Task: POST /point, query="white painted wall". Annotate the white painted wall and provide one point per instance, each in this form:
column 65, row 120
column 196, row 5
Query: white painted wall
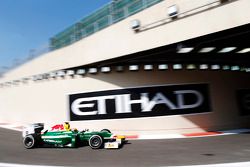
column 47, row 101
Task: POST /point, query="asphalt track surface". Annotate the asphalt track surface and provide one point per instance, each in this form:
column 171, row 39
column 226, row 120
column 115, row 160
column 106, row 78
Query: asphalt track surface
column 171, row 152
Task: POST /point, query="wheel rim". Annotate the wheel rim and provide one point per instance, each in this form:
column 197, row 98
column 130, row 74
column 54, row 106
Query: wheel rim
column 96, row 142
column 28, row 142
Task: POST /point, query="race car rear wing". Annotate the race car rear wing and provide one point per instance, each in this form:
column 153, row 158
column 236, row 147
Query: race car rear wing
column 35, row 128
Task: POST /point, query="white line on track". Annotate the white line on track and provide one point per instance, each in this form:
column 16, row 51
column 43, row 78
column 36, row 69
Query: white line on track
column 12, row 127
column 238, row 164
column 22, row 165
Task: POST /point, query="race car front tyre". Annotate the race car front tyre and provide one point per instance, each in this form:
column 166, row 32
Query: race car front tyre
column 106, row 130
column 29, row 141
column 95, row 142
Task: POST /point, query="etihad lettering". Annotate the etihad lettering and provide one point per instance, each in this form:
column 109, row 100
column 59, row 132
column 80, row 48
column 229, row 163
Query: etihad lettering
column 137, row 102
column 123, row 102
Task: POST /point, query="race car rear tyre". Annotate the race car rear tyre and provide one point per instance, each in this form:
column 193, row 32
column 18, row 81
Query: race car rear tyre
column 95, row 142
column 29, row 141
column 106, row 130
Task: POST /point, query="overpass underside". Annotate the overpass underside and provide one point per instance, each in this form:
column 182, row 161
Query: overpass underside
column 229, row 47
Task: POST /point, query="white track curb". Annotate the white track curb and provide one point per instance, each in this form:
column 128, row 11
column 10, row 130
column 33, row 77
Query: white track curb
column 19, row 127
column 16, row 127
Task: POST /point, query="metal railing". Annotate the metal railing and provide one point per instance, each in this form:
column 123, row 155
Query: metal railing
column 109, row 14
column 184, row 14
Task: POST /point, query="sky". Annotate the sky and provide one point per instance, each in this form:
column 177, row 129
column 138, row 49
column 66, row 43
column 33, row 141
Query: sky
column 27, row 25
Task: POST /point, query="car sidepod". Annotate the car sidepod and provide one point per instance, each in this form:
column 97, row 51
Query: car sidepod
column 60, row 138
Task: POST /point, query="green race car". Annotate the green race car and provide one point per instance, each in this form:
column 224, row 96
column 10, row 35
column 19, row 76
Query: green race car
column 34, row 137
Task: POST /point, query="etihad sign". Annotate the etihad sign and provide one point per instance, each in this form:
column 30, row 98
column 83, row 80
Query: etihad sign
column 140, row 102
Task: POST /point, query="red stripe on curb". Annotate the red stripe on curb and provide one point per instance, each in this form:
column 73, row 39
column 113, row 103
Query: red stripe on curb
column 202, row 134
column 132, row 137
column 19, row 127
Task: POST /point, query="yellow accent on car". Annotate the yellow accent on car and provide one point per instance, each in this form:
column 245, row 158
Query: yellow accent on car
column 120, row 137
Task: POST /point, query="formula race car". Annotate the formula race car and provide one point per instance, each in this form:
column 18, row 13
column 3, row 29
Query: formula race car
column 34, row 136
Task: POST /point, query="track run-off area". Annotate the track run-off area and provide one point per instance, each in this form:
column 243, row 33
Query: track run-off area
column 221, row 151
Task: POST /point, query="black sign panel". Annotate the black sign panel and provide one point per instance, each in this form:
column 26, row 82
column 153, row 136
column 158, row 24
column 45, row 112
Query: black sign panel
column 140, row 102
column 243, row 98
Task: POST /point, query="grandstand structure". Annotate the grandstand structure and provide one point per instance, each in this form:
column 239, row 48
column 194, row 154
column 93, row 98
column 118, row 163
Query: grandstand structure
column 141, row 66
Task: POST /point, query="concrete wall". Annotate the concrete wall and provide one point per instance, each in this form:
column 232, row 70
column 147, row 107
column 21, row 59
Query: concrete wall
column 118, row 39
column 47, row 101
